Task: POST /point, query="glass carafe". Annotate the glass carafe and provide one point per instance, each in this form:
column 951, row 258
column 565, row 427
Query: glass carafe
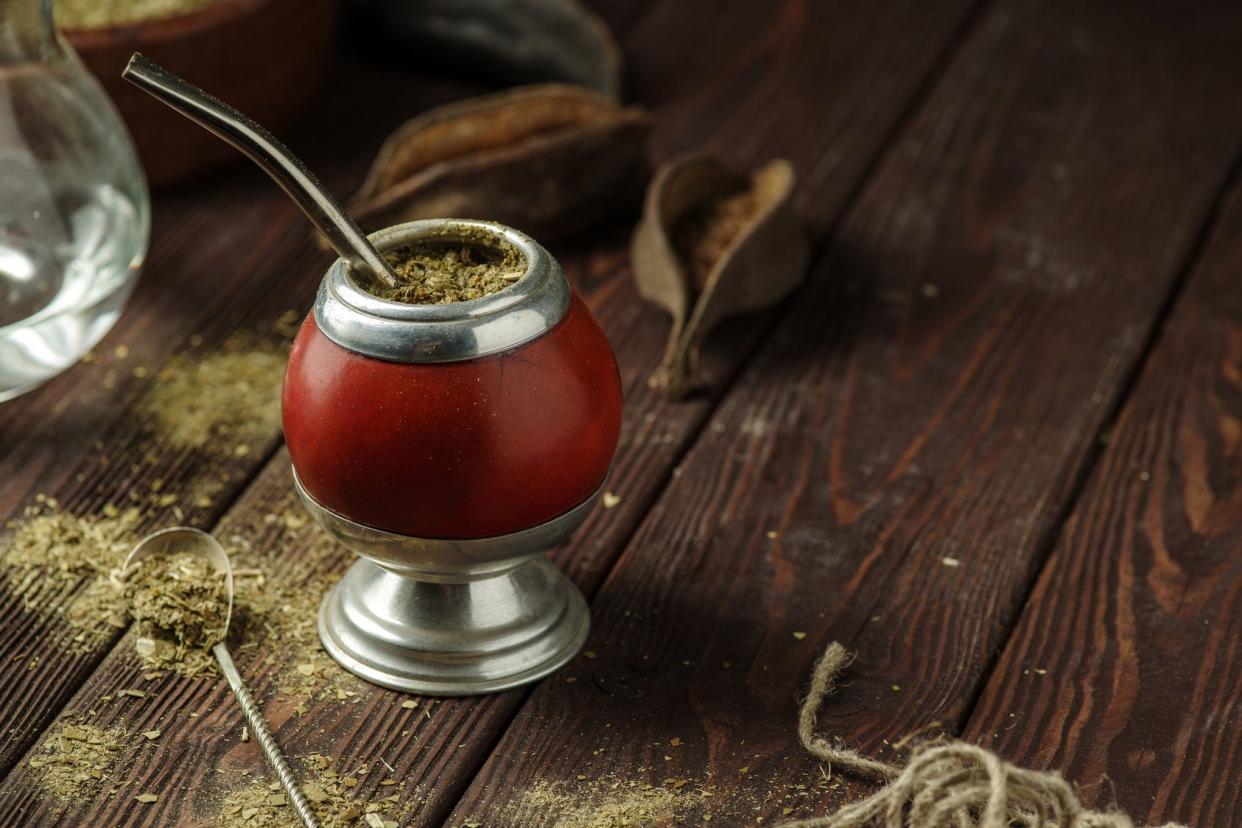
column 74, row 208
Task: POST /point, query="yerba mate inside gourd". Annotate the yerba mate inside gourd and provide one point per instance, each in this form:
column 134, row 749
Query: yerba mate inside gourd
column 441, row 271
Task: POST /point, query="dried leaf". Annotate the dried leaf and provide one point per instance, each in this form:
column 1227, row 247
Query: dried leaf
column 714, row 244
column 513, row 41
column 548, row 160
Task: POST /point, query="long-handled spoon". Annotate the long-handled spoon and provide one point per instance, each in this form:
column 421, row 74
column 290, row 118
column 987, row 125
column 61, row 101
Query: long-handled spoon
column 274, row 157
column 195, row 542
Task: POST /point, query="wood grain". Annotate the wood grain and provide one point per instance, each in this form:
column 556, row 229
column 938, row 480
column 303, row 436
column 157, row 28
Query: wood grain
column 888, row 470
column 1125, row 670
column 655, row 434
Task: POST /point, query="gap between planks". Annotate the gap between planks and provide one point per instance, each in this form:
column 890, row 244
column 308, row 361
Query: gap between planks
column 1194, row 257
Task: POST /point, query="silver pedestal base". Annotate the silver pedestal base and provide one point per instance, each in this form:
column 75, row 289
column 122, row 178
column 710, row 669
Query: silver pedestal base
column 452, row 617
column 453, row 639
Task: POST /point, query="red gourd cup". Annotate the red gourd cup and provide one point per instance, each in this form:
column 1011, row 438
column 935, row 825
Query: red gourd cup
column 450, row 446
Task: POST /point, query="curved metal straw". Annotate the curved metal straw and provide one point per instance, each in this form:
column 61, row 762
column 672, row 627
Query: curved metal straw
column 196, row 542
column 274, row 157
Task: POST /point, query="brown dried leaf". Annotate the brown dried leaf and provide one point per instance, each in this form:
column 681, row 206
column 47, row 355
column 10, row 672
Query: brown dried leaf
column 714, row 244
column 546, row 159
column 513, row 41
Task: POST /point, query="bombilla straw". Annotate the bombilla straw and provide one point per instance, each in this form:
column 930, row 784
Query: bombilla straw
column 264, row 735
column 274, row 157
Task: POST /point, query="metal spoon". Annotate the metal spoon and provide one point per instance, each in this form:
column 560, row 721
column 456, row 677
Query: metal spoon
column 184, row 539
column 274, row 157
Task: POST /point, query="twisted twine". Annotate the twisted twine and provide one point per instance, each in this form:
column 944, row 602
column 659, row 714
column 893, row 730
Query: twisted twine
column 943, row 785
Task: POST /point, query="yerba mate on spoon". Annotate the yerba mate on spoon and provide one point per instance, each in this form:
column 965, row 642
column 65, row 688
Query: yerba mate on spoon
column 171, row 588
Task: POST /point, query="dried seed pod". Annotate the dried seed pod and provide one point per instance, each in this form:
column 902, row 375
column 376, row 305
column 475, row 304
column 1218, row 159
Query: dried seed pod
column 547, row 159
column 512, row 41
column 713, row 244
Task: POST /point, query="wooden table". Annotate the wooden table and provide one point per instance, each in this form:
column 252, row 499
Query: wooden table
column 993, row 445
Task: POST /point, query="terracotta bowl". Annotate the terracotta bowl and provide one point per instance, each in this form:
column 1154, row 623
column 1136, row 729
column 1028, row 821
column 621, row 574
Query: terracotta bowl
column 268, row 58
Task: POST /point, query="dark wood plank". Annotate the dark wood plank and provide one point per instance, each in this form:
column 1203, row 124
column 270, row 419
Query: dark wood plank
column 1125, row 669
column 859, row 105
column 889, row 468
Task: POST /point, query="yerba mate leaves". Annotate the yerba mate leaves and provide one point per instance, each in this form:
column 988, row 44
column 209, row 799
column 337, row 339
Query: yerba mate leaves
column 548, row 160
column 180, row 607
column 712, row 244
column 430, row 273
column 511, row 41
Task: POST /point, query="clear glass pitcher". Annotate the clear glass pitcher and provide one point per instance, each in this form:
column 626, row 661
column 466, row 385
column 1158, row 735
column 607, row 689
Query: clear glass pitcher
column 74, row 207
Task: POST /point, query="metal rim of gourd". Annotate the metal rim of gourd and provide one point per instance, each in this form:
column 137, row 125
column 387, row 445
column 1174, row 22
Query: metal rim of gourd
column 400, row 332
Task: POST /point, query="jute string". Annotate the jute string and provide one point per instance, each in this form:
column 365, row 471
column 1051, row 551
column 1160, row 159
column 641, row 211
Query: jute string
column 943, row 784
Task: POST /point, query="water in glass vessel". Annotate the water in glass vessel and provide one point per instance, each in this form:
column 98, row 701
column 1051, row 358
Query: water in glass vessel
column 74, row 210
